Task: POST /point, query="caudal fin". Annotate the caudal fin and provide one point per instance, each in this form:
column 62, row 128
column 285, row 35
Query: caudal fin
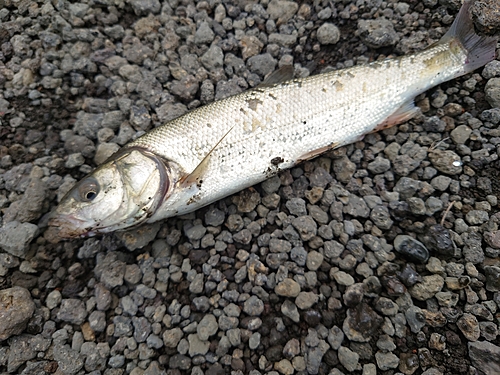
column 480, row 49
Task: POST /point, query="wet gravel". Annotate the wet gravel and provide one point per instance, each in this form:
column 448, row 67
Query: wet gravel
column 381, row 257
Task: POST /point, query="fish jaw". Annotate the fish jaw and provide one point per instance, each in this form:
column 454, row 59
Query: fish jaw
column 68, row 226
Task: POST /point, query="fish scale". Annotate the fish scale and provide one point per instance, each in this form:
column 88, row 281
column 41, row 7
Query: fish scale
column 226, row 146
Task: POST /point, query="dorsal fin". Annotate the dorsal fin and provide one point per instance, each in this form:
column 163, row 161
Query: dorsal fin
column 285, row 73
column 195, row 177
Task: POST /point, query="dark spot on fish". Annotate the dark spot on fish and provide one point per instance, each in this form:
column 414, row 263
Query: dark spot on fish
column 304, row 122
column 272, row 96
column 253, row 103
column 271, row 171
column 277, row 160
column 338, row 86
column 193, row 199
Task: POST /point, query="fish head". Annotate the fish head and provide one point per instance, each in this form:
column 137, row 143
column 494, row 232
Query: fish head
column 123, row 192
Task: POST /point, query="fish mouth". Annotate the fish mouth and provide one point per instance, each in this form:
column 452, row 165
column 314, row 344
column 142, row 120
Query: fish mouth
column 68, row 226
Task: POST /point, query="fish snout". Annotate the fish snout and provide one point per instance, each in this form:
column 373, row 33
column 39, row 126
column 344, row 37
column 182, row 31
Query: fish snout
column 67, row 226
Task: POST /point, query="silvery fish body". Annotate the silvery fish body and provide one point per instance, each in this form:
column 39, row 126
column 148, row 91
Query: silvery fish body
column 234, row 143
column 268, row 129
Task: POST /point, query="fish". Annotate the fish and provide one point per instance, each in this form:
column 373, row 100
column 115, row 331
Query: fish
column 234, row 143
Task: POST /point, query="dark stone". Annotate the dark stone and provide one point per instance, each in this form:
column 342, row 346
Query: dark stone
column 492, row 278
column 373, row 287
column 198, row 256
column 451, row 314
column 452, row 338
column 393, row 286
column 312, row 317
column 215, row 369
column 274, row 353
column 364, row 349
column 361, row 323
column 331, row 359
column 328, row 318
column 485, row 356
column 320, row 178
column 434, row 124
column 71, row 288
column 438, row 239
column 237, row 364
column 354, row 294
column 23, row 280
column 411, row 248
column 409, row 276
column 408, row 363
column 180, row 361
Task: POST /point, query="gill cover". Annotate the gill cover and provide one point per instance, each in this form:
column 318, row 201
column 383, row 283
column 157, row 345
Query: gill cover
column 123, row 192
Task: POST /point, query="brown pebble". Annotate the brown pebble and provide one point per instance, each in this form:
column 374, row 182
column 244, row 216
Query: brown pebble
column 88, row 333
column 469, row 326
column 237, row 364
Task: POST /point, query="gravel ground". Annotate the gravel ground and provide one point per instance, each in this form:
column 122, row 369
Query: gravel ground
column 381, row 257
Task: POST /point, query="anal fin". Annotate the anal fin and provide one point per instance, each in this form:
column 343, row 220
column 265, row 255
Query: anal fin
column 317, row 152
column 402, row 114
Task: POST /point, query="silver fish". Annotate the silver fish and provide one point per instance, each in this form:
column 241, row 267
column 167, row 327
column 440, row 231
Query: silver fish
column 234, row 143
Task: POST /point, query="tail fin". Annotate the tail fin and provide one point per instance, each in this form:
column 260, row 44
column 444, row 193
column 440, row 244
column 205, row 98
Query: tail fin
column 480, row 49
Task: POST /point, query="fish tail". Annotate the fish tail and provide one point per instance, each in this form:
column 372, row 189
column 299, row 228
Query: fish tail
column 480, row 49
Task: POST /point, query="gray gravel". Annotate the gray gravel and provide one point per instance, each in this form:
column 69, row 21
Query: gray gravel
column 16, row 309
column 380, row 257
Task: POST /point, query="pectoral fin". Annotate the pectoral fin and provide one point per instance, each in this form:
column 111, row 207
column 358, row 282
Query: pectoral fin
column 196, row 176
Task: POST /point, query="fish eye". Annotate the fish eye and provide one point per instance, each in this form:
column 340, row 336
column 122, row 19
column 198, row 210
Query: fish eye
column 88, row 190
